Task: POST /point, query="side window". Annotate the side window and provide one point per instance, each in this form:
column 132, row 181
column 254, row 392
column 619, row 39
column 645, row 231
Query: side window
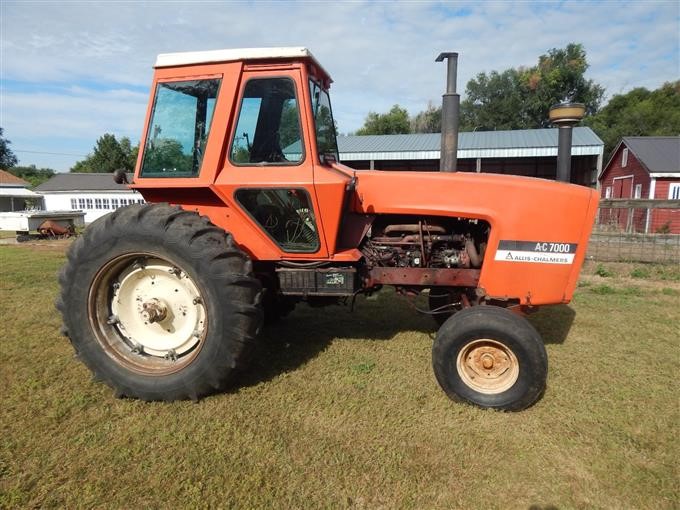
column 285, row 214
column 179, row 128
column 268, row 128
column 326, row 139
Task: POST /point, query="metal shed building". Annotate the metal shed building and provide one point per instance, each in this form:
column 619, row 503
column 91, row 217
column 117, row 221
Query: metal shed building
column 530, row 152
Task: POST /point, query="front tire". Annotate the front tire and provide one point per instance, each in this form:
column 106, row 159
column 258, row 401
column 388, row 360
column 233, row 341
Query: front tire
column 490, row 357
column 159, row 303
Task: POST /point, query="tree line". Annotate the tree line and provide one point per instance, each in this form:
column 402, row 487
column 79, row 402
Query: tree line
column 108, row 154
column 520, row 98
column 515, row 98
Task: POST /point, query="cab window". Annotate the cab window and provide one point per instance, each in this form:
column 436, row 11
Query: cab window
column 179, row 128
column 268, row 128
column 326, row 141
column 286, row 215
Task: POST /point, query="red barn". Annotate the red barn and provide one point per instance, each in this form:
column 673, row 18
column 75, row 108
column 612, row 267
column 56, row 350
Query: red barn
column 643, row 167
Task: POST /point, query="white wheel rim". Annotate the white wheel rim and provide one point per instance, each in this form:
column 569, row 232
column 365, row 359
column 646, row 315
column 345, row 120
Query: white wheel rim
column 147, row 313
column 157, row 281
column 487, row 366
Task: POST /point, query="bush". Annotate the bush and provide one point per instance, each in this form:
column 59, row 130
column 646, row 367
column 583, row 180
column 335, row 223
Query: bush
column 602, row 271
column 640, row 272
column 603, row 290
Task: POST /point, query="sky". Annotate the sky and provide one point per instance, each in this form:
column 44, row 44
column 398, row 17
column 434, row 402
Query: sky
column 72, row 71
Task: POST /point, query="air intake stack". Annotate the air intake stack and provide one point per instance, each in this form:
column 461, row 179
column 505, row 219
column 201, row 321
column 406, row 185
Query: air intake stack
column 565, row 116
column 450, row 113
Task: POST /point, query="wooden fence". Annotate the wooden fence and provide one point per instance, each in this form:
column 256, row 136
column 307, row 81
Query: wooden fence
column 640, row 215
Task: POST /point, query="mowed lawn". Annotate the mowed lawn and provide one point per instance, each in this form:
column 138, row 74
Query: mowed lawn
column 341, row 410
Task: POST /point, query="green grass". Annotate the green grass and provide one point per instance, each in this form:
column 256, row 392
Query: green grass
column 342, row 410
column 603, row 271
column 640, row 272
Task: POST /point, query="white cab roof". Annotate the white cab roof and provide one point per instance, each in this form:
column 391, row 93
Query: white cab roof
column 229, row 55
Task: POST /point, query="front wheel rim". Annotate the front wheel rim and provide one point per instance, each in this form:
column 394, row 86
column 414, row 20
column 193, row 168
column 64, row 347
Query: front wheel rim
column 147, row 313
column 487, row 366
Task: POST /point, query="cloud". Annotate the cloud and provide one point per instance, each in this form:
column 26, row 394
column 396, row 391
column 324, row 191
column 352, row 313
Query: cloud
column 87, row 55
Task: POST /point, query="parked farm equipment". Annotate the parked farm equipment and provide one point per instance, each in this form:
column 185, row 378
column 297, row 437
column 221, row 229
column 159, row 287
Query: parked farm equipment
column 164, row 302
column 35, row 225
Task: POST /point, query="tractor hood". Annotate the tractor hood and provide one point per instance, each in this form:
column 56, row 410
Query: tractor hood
column 539, row 228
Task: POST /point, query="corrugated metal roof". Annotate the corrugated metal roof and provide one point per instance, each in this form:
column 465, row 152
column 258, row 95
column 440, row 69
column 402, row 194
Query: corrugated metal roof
column 82, row 182
column 660, row 154
column 480, row 144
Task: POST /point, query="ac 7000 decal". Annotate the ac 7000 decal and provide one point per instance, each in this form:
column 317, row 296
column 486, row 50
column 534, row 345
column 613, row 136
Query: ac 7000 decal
column 538, row 252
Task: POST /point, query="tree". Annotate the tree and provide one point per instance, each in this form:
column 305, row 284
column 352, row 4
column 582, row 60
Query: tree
column 521, row 98
column 7, row 157
column 289, row 129
column 109, row 155
column 639, row 112
column 32, row 174
column 560, row 77
column 428, row 121
column 495, row 101
column 165, row 154
column 394, row 122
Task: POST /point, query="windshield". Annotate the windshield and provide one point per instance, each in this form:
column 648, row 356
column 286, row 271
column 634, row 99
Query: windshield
column 179, row 128
column 326, row 141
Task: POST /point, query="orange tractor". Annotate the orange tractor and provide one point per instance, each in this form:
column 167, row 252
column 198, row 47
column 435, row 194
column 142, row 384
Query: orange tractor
column 164, row 302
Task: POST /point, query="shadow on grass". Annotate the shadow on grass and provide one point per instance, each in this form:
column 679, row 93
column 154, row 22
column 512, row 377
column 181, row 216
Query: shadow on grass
column 307, row 332
column 553, row 323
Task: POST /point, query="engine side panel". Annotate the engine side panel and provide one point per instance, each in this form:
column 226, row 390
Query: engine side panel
column 545, row 224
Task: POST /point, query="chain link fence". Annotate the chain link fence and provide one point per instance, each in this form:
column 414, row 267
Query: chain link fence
column 636, row 230
column 607, row 246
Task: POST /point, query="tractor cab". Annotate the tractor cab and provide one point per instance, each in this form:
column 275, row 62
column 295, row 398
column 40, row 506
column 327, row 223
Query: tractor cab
column 271, row 98
column 247, row 128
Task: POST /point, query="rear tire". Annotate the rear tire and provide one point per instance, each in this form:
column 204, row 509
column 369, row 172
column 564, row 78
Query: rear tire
column 490, row 357
column 159, row 303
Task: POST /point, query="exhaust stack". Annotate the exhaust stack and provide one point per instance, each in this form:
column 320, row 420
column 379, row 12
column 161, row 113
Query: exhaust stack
column 450, row 113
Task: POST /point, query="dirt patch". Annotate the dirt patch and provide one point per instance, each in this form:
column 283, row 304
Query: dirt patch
column 55, row 245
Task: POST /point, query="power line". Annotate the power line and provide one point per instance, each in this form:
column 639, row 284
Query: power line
column 52, row 153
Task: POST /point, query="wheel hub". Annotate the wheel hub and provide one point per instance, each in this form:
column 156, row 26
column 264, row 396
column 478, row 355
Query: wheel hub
column 158, row 309
column 487, row 361
column 154, row 310
column 487, row 366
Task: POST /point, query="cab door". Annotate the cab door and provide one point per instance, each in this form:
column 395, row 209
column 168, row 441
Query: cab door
column 267, row 178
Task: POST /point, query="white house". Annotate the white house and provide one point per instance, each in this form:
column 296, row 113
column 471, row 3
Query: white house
column 15, row 195
column 94, row 193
